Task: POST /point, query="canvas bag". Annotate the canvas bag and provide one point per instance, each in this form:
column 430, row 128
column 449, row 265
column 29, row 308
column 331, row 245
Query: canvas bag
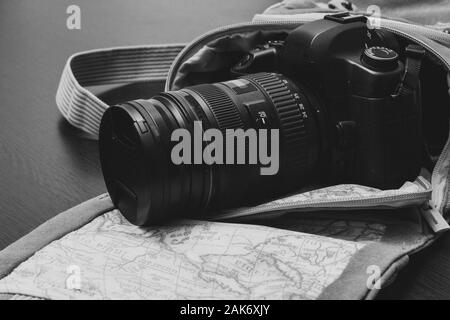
column 415, row 215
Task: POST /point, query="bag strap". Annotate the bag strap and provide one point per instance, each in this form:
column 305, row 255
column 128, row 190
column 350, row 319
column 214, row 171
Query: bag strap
column 82, row 108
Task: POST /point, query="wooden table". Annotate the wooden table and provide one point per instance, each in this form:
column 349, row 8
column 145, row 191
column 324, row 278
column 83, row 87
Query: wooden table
column 45, row 167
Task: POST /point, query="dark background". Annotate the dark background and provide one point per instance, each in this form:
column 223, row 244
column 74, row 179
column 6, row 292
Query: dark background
column 46, row 167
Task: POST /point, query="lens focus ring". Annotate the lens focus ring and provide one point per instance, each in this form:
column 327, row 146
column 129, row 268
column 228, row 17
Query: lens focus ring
column 292, row 119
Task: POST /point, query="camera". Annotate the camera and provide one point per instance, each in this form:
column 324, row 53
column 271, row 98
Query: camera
column 344, row 99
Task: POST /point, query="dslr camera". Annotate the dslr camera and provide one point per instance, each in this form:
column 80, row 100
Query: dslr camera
column 345, row 99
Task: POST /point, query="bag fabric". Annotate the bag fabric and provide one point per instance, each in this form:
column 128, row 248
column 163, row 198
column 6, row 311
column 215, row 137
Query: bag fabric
column 311, row 248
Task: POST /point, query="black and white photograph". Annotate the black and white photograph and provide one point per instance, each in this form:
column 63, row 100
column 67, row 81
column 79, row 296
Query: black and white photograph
column 224, row 156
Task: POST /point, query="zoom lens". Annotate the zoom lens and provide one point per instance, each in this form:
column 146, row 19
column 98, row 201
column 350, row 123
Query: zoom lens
column 136, row 146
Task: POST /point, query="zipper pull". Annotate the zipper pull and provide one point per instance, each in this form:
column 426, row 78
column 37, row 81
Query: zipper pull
column 434, row 218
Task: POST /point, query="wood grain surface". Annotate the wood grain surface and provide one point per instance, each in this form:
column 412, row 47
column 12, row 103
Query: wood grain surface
column 47, row 167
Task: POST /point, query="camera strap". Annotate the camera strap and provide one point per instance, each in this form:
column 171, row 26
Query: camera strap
column 414, row 55
column 122, row 65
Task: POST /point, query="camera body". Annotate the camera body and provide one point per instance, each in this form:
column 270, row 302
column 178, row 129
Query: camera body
column 368, row 117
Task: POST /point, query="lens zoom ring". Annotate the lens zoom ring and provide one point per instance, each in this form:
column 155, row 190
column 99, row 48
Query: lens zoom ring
column 292, row 122
column 224, row 109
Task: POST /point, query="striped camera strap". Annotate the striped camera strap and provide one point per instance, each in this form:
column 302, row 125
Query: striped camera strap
column 122, row 65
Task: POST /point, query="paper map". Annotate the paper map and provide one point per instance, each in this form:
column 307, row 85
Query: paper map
column 111, row 259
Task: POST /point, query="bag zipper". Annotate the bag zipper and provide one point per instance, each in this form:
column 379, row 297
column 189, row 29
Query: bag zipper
column 376, row 201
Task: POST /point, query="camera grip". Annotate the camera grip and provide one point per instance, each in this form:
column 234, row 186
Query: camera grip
column 388, row 140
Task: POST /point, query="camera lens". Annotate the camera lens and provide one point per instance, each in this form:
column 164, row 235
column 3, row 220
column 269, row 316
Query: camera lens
column 135, row 141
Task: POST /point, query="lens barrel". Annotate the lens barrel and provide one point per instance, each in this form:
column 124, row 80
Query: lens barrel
column 135, row 147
